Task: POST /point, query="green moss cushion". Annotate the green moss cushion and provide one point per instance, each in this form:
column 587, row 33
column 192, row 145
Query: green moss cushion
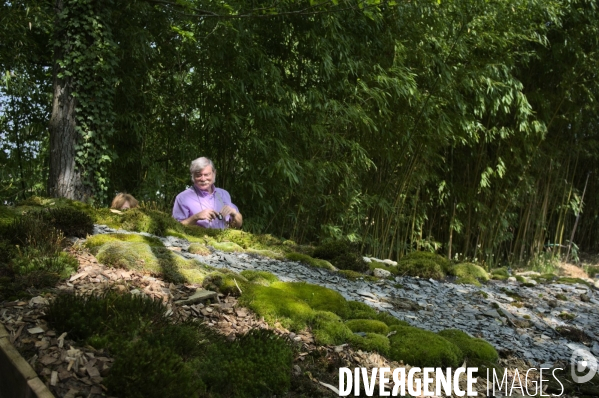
column 422, row 348
column 471, row 347
column 424, row 265
column 371, row 342
column 329, row 329
column 367, row 326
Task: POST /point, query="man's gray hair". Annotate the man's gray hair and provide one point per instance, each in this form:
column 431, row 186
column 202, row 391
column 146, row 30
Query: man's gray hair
column 199, row 164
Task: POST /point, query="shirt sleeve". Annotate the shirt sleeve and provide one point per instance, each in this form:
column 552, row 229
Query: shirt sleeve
column 227, row 200
column 180, row 212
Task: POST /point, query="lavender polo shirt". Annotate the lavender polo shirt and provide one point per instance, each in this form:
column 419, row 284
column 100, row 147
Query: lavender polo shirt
column 194, row 200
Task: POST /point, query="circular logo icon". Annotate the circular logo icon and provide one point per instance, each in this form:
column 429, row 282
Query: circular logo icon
column 583, row 361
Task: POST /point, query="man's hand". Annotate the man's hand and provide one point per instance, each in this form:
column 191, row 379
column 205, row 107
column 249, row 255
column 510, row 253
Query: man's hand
column 235, row 219
column 206, row 214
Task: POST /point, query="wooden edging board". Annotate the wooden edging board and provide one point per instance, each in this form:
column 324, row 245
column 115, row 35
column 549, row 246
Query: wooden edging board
column 17, row 377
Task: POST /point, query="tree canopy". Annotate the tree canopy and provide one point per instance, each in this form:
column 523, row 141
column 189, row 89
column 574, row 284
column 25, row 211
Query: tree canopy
column 463, row 126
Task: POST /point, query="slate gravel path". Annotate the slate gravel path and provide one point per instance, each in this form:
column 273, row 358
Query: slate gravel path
column 526, row 331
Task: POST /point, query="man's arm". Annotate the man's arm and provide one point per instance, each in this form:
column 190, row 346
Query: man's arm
column 203, row 215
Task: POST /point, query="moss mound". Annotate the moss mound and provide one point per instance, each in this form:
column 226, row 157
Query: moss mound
column 293, row 304
column 260, row 277
column 470, row 273
column 424, row 265
column 371, row 342
column 367, row 326
column 500, row 273
column 256, row 365
column 94, row 242
column 199, row 248
column 375, row 264
column 474, row 349
column 359, row 310
column 342, row 255
column 225, row 281
column 313, row 262
column 153, row 259
column 422, row 348
column 329, row 329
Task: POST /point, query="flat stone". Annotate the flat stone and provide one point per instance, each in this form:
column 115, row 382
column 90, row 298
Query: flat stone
column 366, row 294
column 381, row 273
column 198, row 296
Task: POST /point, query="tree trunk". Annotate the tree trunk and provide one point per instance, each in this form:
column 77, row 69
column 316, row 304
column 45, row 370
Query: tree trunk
column 64, row 179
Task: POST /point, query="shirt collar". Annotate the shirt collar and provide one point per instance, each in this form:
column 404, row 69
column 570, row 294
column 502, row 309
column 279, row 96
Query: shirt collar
column 202, row 193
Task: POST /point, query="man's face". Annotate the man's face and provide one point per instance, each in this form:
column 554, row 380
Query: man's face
column 204, row 178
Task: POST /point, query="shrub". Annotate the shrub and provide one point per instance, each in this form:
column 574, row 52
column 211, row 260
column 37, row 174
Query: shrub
column 367, row 326
column 256, row 365
column 422, row 348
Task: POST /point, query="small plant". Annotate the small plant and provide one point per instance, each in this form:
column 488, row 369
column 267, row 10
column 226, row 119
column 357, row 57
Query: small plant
column 566, row 316
column 561, row 297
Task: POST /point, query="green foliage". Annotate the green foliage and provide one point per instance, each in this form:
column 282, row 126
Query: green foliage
column 225, row 281
column 375, row 264
column 142, row 369
column 367, row 326
column 329, row 329
column 259, row 363
column 259, row 277
column 359, row 310
column 111, row 314
column 473, row 348
column 500, row 273
column 422, row 348
column 32, row 255
column 424, row 265
column 136, row 254
column 94, row 242
column 371, row 342
column 313, row 262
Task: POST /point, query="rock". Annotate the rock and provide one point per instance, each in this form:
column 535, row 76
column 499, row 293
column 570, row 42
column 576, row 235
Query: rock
column 199, row 295
column 390, row 262
column 366, row 294
column 381, row 273
column 552, row 303
column 585, row 298
column 366, row 259
column 512, row 279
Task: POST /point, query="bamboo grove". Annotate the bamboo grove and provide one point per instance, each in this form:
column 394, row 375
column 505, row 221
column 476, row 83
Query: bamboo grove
column 469, row 127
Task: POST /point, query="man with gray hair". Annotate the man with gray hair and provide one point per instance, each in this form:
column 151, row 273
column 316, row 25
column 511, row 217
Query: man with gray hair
column 203, row 204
